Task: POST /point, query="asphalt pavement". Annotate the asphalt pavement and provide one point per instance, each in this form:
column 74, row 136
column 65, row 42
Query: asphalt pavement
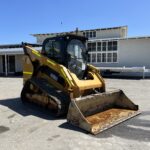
column 27, row 127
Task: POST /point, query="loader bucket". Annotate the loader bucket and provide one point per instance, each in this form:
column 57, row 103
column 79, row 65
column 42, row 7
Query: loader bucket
column 98, row 112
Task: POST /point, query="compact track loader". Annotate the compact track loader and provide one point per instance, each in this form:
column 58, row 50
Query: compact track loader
column 59, row 78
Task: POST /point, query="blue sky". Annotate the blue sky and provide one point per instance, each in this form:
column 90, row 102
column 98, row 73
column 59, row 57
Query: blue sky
column 20, row 18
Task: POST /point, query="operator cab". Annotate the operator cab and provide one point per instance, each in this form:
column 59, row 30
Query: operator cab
column 68, row 50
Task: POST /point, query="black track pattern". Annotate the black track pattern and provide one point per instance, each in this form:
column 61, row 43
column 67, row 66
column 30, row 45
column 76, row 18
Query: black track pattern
column 61, row 98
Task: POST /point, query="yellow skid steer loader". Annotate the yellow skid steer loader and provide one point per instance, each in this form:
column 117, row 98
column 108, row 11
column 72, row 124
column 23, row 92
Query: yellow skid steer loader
column 59, row 78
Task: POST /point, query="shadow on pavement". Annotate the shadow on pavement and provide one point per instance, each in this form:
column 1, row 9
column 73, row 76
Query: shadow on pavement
column 130, row 129
column 136, row 128
column 69, row 126
column 28, row 109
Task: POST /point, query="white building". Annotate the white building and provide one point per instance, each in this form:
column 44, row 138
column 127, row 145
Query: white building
column 11, row 59
column 111, row 50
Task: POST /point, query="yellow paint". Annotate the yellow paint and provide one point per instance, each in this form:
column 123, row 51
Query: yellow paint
column 27, row 73
column 69, row 81
column 51, row 62
column 63, row 73
column 36, row 53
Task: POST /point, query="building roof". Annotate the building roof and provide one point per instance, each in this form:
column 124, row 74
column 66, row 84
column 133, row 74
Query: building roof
column 15, row 51
column 15, row 48
column 110, row 28
column 16, row 45
column 126, row 38
column 136, row 37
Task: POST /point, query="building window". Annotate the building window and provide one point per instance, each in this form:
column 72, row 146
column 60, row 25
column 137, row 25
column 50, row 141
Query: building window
column 110, row 46
column 94, row 33
column 109, row 57
column 98, row 46
column 93, row 57
column 103, row 52
column 99, row 59
column 103, row 57
column 115, row 45
column 114, row 57
column 89, row 34
column 92, row 46
column 89, row 45
column 103, row 46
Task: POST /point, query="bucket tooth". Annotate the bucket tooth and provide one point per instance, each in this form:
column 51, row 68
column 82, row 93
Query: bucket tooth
column 98, row 112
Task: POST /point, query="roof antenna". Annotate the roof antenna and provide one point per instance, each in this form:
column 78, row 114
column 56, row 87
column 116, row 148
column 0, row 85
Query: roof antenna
column 61, row 26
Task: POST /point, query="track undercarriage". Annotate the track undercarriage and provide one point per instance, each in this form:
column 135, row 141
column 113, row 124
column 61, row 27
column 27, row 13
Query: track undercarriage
column 41, row 93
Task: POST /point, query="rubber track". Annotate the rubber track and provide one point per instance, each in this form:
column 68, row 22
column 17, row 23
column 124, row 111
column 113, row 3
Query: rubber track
column 61, row 98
